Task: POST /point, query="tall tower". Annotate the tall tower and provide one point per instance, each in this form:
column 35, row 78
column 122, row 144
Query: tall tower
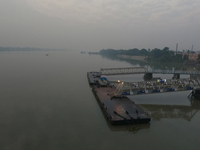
column 176, row 48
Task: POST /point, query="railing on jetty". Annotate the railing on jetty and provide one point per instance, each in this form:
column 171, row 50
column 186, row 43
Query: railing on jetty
column 143, row 70
column 154, row 86
column 123, row 71
column 174, row 72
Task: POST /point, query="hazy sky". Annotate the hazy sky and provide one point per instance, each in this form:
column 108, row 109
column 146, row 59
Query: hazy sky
column 91, row 25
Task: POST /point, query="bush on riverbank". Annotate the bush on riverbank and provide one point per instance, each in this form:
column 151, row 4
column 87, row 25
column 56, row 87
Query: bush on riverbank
column 164, row 55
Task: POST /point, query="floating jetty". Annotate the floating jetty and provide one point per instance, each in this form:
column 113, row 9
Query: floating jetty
column 112, row 95
column 118, row 110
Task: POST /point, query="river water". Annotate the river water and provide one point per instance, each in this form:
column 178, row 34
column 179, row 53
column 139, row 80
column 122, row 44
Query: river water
column 46, row 103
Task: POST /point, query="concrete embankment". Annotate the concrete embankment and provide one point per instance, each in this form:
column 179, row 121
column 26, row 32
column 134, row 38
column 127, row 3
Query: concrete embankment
column 140, row 58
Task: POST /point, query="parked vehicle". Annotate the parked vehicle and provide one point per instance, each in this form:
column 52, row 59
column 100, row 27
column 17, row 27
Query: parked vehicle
column 161, row 80
column 169, row 90
column 188, row 88
column 139, row 92
column 154, row 91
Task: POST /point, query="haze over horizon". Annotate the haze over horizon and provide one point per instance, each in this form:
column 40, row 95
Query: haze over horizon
column 89, row 25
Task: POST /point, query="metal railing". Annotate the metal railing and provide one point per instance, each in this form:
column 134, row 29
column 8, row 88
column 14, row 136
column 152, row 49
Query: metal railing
column 121, row 71
column 143, row 70
column 174, row 72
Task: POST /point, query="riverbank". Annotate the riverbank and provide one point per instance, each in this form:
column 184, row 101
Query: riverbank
column 140, row 58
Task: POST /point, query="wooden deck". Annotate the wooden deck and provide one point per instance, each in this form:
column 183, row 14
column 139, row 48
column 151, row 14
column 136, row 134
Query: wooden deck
column 119, row 110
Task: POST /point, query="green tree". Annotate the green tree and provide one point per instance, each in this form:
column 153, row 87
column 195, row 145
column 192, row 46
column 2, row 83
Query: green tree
column 143, row 52
column 166, row 49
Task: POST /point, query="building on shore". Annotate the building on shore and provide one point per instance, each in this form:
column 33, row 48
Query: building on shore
column 191, row 56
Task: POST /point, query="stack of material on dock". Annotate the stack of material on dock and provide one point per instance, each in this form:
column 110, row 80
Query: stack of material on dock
column 93, row 77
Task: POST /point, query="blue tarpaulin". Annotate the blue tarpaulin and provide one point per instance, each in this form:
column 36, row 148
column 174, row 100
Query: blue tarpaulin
column 103, row 78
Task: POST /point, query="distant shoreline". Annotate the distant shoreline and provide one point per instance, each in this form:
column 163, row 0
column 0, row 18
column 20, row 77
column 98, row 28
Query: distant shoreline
column 14, row 49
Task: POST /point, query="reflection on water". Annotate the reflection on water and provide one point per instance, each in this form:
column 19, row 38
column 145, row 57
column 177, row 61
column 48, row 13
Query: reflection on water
column 159, row 112
column 131, row 61
column 171, row 111
column 128, row 128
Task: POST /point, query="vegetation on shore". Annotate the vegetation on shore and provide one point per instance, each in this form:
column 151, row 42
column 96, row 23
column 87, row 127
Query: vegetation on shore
column 160, row 55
